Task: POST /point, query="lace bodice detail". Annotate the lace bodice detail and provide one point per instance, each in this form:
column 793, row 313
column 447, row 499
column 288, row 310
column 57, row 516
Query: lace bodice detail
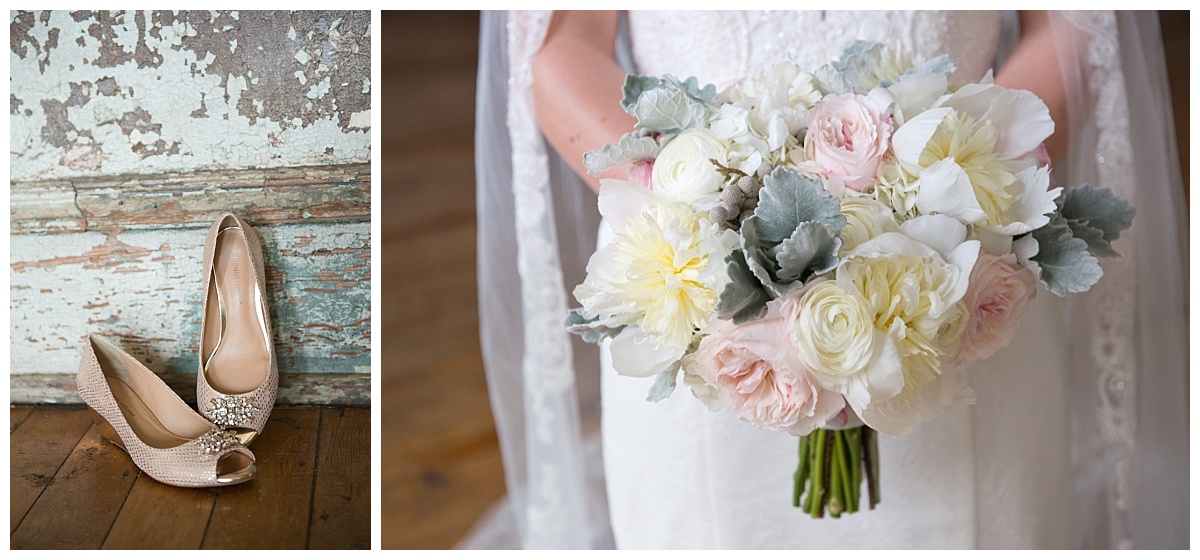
column 723, row 47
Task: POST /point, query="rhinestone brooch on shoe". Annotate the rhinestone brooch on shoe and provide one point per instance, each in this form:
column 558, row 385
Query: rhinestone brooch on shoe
column 215, row 441
column 232, row 411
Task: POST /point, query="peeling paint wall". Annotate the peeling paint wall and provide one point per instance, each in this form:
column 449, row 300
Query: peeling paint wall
column 108, row 93
column 132, row 131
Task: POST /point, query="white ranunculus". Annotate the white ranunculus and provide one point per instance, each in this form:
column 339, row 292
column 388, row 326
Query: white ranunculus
column 865, row 219
column 661, row 276
column 839, row 342
column 683, row 172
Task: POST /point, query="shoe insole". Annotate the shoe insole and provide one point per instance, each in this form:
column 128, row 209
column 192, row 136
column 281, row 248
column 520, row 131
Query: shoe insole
column 142, row 420
column 239, row 363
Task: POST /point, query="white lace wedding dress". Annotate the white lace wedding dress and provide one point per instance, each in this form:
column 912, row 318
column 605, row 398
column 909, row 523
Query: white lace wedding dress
column 1079, row 437
column 991, row 475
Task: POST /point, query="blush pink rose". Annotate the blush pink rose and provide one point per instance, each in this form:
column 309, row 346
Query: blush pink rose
column 641, row 172
column 999, row 293
column 757, row 374
column 847, row 139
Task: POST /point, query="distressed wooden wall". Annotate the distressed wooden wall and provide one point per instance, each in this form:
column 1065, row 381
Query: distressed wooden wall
column 132, row 132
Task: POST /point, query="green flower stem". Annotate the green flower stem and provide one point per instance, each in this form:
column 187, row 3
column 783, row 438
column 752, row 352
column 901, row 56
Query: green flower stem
column 871, row 458
column 819, row 466
column 836, row 475
column 848, row 480
column 854, row 443
column 825, row 469
column 801, row 472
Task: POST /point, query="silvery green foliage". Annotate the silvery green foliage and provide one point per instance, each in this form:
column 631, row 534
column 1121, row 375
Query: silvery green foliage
column 743, row 298
column 668, row 105
column 858, row 63
column 664, row 383
column 812, row 248
column 630, row 149
column 1066, row 265
column 789, row 198
column 940, row 65
column 857, row 68
column 793, row 234
column 1097, row 216
column 590, row 327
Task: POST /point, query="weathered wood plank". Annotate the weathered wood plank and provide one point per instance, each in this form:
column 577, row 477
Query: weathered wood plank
column 193, row 199
column 17, row 415
column 37, row 449
column 341, row 511
column 272, row 511
column 142, row 288
column 161, row 517
column 335, row 389
column 44, row 207
column 79, row 504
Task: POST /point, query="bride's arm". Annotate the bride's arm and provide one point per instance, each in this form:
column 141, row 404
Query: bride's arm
column 577, row 88
column 1034, row 66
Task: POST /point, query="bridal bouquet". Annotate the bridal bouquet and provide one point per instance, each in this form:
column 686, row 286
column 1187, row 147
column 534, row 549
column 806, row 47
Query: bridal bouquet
column 818, row 252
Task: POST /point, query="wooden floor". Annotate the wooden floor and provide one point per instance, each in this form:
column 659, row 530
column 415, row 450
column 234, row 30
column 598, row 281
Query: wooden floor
column 441, row 461
column 71, row 489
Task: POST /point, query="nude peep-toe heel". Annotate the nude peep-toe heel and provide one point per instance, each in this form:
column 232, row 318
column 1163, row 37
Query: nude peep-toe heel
column 238, row 376
column 166, row 439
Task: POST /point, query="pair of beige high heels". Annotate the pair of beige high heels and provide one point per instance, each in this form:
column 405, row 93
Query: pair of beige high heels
column 235, row 387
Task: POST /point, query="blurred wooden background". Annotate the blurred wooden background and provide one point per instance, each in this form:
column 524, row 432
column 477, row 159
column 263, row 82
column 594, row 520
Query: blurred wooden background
column 441, row 460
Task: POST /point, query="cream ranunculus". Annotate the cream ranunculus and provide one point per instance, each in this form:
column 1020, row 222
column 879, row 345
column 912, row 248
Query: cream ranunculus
column 865, row 219
column 835, row 332
column 847, row 139
column 682, row 172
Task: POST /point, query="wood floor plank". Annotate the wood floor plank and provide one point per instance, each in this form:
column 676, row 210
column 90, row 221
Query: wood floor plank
column 272, row 511
column 159, row 516
column 17, row 415
column 38, row 446
column 341, row 512
column 80, row 503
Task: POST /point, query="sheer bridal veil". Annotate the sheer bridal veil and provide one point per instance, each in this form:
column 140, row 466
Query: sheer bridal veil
column 1128, row 397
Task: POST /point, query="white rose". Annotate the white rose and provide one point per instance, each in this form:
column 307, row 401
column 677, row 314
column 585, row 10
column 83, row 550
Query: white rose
column 683, row 172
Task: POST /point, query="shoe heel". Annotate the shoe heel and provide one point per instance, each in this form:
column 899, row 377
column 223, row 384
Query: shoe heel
column 106, row 430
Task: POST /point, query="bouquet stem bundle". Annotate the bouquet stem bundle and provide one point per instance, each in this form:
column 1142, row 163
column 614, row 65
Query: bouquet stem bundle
column 831, row 470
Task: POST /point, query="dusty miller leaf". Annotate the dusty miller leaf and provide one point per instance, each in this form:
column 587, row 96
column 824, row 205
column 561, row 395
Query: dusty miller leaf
column 590, row 327
column 812, row 248
column 1094, row 237
column 939, row 65
column 743, row 298
column 1066, row 265
column 667, row 104
column 858, row 63
column 788, row 199
column 634, row 87
column 664, row 383
column 1099, row 208
column 630, row 149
